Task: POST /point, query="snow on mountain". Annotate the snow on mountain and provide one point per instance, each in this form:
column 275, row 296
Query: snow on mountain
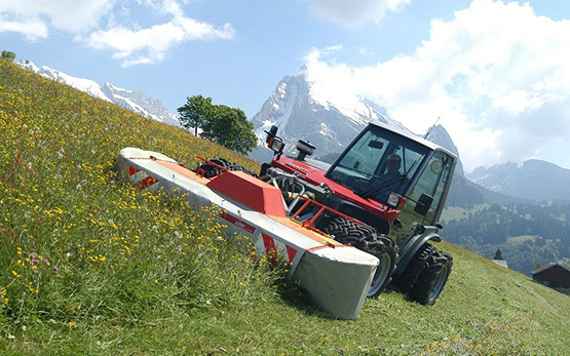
column 139, row 103
column 131, row 100
column 302, row 110
column 310, row 111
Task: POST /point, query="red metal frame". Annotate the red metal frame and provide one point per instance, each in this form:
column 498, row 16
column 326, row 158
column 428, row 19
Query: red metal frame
column 310, row 223
column 317, row 176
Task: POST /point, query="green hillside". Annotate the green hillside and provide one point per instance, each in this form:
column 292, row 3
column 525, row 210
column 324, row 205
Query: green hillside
column 90, row 266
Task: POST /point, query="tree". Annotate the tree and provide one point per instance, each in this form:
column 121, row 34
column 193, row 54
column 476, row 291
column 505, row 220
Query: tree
column 10, row 56
column 219, row 123
column 229, row 127
column 498, row 255
column 195, row 111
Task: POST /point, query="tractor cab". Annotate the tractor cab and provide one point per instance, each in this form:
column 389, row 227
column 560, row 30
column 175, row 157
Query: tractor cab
column 398, row 170
column 384, row 178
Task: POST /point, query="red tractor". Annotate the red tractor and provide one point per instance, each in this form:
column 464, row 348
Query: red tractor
column 347, row 229
column 384, row 195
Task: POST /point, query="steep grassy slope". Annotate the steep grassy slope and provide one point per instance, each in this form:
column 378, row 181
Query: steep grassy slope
column 88, row 265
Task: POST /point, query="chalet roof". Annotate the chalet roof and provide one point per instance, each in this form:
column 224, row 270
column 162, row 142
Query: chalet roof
column 549, row 266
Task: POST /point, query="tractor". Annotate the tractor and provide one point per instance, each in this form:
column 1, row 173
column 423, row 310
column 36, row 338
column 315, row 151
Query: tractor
column 383, row 195
column 348, row 230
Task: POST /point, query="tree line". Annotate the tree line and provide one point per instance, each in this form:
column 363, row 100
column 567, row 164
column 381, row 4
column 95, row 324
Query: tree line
column 528, row 235
column 222, row 124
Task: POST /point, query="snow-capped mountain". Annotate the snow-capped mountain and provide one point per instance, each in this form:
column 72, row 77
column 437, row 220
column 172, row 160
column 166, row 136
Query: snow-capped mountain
column 139, row 103
column 131, row 100
column 300, row 112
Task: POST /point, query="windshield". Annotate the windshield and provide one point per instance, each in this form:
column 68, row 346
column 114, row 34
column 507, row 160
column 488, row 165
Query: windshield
column 378, row 163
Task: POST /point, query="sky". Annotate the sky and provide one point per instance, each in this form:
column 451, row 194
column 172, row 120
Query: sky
column 495, row 73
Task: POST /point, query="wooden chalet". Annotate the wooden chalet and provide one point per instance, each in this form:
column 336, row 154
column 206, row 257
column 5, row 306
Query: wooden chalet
column 554, row 275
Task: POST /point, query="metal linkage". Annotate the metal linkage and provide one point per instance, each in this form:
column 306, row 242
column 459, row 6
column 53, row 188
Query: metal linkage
column 321, row 208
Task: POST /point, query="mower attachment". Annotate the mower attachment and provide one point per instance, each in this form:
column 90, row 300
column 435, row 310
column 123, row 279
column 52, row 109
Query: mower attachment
column 336, row 276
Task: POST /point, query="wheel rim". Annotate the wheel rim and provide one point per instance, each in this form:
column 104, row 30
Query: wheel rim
column 440, row 283
column 382, row 273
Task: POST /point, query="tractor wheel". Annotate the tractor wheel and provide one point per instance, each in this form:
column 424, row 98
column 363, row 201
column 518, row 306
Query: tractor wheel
column 210, row 170
column 426, row 276
column 365, row 237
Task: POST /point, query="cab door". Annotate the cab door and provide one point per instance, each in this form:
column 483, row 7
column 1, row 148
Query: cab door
column 425, row 197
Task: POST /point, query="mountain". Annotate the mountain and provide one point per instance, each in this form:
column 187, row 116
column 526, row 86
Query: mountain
column 300, row 111
column 533, row 179
column 131, row 100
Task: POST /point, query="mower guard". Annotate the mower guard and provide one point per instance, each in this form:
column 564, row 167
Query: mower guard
column 336, row 276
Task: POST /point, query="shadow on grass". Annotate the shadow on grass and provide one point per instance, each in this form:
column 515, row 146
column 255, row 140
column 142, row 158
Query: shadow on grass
column 293, row 295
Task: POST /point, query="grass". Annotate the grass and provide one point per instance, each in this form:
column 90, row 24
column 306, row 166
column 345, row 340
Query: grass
column 90, row 266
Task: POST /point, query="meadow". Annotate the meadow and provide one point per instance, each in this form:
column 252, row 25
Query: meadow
column 90, row 265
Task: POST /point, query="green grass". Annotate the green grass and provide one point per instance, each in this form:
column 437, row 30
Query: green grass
column 90, row 266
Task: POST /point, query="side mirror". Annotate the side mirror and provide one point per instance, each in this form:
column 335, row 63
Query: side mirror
column 423, row 204
column 274, row 142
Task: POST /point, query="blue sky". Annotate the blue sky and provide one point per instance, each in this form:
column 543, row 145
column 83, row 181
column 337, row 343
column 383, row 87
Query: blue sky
column 236, row 51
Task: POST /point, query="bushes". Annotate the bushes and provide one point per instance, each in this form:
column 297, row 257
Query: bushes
column 7, row 55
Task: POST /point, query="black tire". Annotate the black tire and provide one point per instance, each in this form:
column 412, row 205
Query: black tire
column 210, row 171
column 365, row 237
column 425, row 278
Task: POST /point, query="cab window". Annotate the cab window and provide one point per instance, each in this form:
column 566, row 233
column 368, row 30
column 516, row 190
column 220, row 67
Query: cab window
column 432, row 182
column 363, row 158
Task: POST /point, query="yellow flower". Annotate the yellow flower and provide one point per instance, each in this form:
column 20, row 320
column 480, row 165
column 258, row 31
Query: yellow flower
column 72, row 324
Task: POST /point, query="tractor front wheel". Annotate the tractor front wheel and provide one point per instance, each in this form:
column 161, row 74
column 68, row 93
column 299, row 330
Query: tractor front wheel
column 366, row 238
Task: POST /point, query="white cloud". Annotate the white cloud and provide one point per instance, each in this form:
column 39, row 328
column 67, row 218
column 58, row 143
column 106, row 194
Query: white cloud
column 83, row 17
column 497, row 74
column 149, row 45
column 356, row 12
column 65, row 15
column 31, row 29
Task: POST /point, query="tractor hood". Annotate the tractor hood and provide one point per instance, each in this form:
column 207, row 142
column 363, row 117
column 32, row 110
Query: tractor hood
column 317, row 175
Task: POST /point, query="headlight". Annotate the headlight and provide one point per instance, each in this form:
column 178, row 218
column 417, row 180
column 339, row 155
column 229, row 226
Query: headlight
column 396, row 201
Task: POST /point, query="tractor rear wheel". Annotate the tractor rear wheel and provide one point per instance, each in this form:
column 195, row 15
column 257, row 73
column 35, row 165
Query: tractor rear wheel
column 366, row 238
column 426, row 276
